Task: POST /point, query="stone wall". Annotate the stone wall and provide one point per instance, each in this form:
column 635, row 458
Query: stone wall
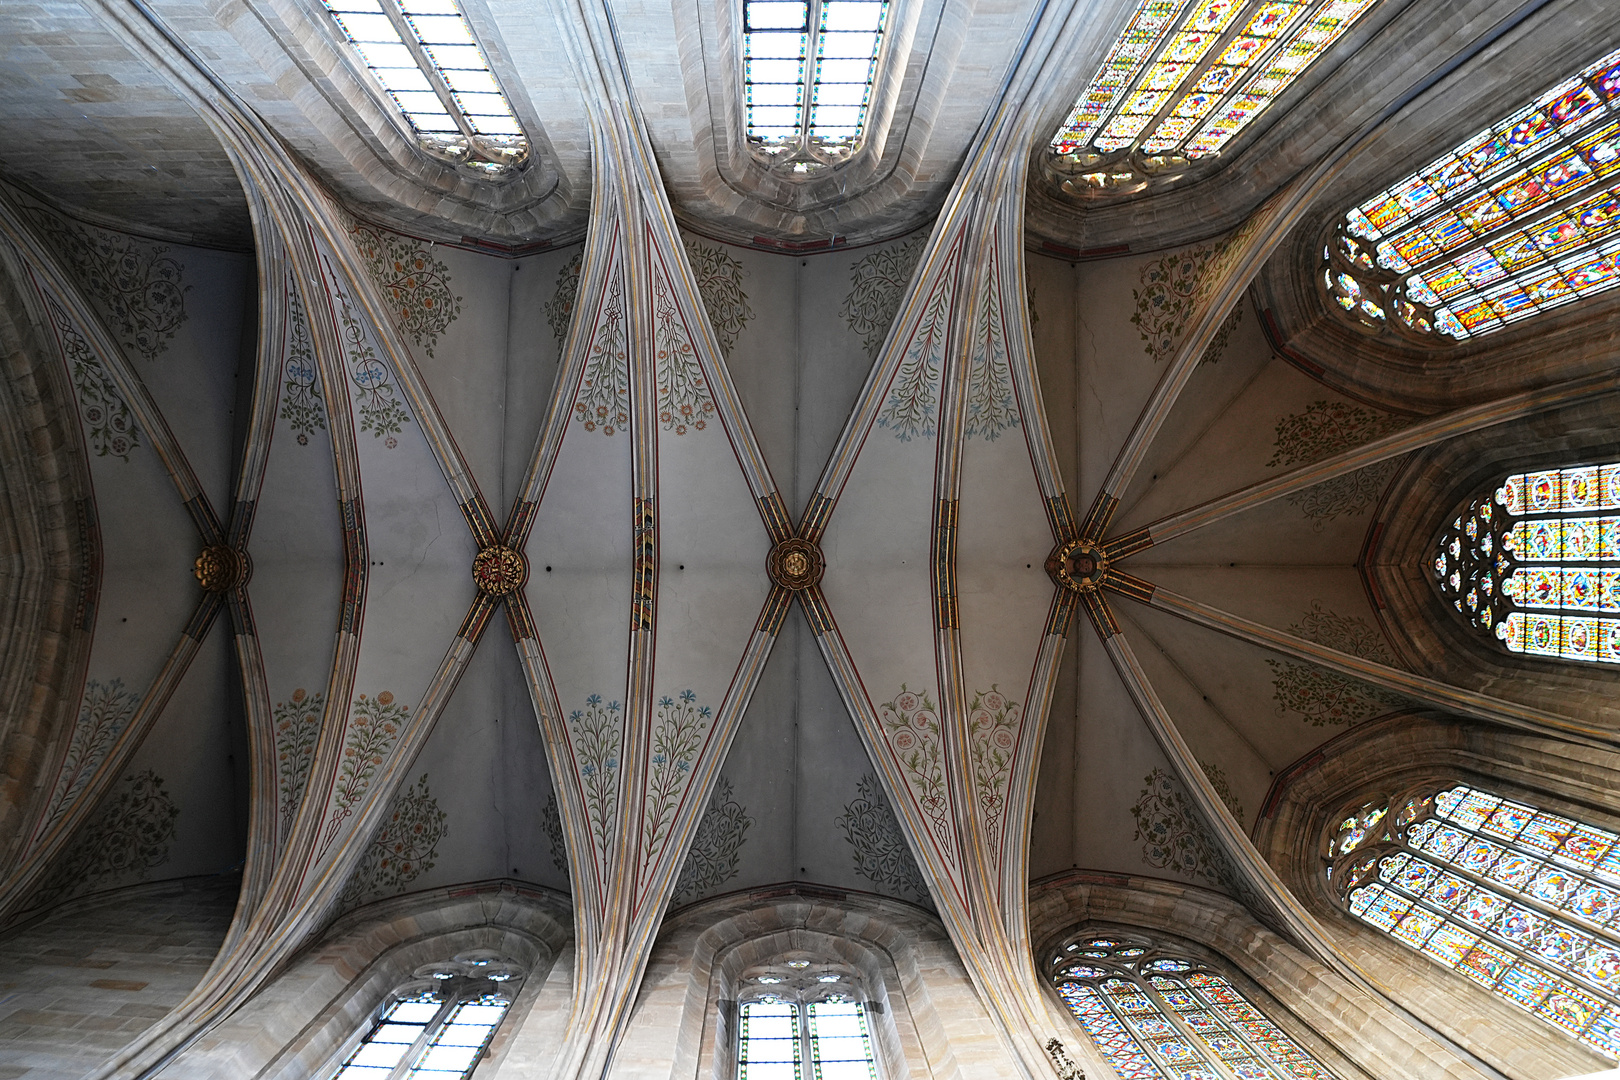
column 79, row 984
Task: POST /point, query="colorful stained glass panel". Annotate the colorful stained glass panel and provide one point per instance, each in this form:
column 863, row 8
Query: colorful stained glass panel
column 1251, row 51
column 1479, row 227
column 1525, row 878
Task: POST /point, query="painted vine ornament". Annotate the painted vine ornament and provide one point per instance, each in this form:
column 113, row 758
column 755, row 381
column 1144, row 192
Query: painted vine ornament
column 1325, row 428
column 712, row 859
column 877, row 843
column 108, row 422
column 1327, row 698
column 795, row 564
column 137, row 285
column 1173, row 833
column 499, row 570
column 129, row 835
column 417, row 284
column 219, row 568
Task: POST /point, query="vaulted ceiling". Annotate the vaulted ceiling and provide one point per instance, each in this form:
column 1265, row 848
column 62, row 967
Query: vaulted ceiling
column 645, row 364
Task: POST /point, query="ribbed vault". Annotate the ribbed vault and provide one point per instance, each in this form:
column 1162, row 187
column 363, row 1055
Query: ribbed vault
column 631, row 537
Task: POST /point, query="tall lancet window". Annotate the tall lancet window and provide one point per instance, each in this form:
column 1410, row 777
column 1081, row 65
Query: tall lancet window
column 1522, row 901
column 1187, row 76
column 424, row 56
column 1537, row 563
column 799, row 1018
column 808, row 71
column 1517, row 219
column 1157, row 1013
column 436, row 1027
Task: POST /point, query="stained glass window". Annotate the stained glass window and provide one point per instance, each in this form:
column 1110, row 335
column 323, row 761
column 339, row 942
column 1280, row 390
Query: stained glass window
column 1187, row 75
column 803, row 1018
column 1522, row 901
column 1516, row 220
column 1537, row 563
column 437, row 1027
column 1157, row 1014
column 808, row 70
column 424, row 55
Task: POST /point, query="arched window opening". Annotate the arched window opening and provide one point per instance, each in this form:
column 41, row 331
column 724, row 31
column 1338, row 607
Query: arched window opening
column 1516, row 220
column 1537, row 563
column 1185, row 78
column 1521, row 901
column 808, row 72
column 424, row 56
column 1157, row 1013
column 437, row 1026
column 798, row 1010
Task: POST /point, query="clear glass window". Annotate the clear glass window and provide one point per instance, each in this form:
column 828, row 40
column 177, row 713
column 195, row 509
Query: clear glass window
column 803, row 1019
column 1157, row 1014
column 1521, row 901
column 426, row 59
column 768, row 1047
column 439, row 1026
column 808, row 71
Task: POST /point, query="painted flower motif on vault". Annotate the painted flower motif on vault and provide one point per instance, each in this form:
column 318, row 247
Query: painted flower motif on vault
column 1172, row 833
column 412, row 280
column 1326, row 698
column 877, row 844
column 1325, row 428
column 915, row 736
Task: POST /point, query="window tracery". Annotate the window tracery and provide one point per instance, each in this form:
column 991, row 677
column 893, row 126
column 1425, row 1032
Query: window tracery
column 798, row 1016
column 1537, row 563
column 1519, row 219
column 808, row 72
column 437, row 1026
column 424, row 56
column 1519, row 900
column 1185, row 78
column 1157, row 1013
